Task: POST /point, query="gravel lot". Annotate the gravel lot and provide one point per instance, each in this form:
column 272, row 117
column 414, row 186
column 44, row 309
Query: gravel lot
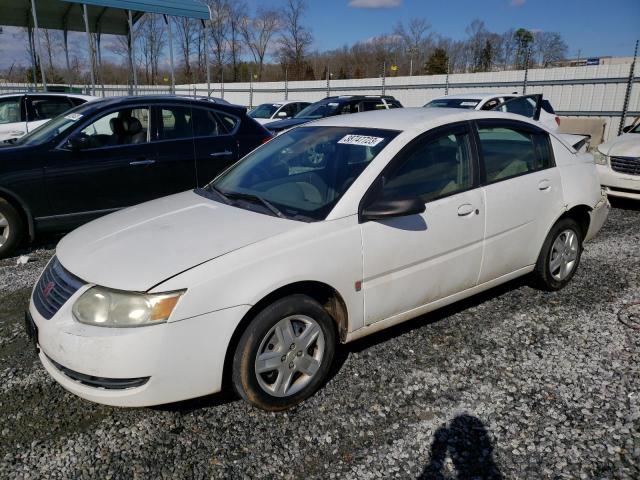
column 514, row 383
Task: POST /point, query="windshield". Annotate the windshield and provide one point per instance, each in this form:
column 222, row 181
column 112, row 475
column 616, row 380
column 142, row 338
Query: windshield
column 266, row 110
column 636, row 129
column 469, row 104
column 319, row 110
column 303, row 172
column 55, row 127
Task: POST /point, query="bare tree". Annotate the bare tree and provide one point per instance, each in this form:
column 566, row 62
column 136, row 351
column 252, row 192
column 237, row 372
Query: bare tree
column 296, row 38
column 186, row 28
column 414, row 38
column 152, row 42
column 550, row 47
column 219, row 31
column 235, row 14
column 258, row 33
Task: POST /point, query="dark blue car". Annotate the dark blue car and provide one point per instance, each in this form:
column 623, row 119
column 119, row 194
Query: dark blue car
column 331, row 106
column 112, row 153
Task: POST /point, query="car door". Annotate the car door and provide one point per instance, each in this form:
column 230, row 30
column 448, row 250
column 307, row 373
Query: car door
column 12, row 117
column 523, row 193
column 414, row 260
column 216, row 145
column 173, row 137
column 42, row 108
column 113, row 168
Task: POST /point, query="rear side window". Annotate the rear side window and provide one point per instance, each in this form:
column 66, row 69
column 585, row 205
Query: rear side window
column 229, row 121
column 175, row 123
column 435, row 168
column 509, row 152
column 46, row 108
column 206, row 123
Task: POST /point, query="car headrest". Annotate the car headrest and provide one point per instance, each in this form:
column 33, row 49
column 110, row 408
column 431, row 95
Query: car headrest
column 132, row 126
column 116, row 126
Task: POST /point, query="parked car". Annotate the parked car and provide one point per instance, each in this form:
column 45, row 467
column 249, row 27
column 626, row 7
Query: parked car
column 618, row 163
column 331, row 106
column 113, row 153
column 21, row 113
column 525, row 105
column 269, row 112
column 327, row 233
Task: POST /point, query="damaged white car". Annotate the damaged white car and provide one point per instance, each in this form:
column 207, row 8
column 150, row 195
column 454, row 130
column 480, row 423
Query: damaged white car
column 327, row 233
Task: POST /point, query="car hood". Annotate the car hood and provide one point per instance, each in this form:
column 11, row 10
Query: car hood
column 627, row 145
column 139, row 247
column 282, row 124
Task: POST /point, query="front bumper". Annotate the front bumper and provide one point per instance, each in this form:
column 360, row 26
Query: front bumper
column 619, row 184
column 136, row 367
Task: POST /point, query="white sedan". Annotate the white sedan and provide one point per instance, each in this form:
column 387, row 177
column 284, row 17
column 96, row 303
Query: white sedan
column 270, row 112
column 329, row 232
column 618, row 163
column 20, row 113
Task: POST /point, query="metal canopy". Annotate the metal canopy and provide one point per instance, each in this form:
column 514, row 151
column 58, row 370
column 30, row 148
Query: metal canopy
column 107, row 17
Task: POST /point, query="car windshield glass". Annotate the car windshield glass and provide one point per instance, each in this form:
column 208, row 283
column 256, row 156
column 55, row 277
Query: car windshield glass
column 469, row 104
column 319, row 110
column 54, row 127
column 636, row 129
column 266, row 110
column 303, row 172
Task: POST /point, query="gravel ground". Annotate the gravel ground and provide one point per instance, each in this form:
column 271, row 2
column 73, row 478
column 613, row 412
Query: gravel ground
column 514, row 383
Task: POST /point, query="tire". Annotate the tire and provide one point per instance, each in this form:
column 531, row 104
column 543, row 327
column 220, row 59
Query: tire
column 11, row 228
column 560, row 256
column 292, row 370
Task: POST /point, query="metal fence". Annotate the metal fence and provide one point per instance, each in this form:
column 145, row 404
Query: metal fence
column 589, row 91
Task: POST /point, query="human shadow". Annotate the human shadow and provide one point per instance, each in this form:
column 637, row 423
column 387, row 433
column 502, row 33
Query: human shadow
column 466, row 441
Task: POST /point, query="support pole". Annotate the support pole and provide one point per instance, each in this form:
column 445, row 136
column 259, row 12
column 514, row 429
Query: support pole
column 173, row 79
column 627, row 95
column 206, row 57
column 250, row 89
column 384, row 76
column 446, row 84
column 328, row 82
column 91, row 52
column 286, row 82
column 526, row 70
column 32, row 49
column 132, row 55
column 39, row 48
column 222, row 82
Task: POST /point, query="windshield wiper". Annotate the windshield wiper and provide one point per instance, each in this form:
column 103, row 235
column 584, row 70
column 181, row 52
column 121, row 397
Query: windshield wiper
column 253, row 198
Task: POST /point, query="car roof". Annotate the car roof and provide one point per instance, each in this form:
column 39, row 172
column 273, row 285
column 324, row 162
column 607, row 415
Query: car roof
column 152, row 99
column 476, row 96
column 416, row 118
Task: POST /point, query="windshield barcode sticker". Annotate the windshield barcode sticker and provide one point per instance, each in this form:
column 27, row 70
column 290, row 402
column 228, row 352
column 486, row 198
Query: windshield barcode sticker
column 362, row 140
column 73, row 116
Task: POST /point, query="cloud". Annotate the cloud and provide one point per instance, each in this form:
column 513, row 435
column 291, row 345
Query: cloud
column 517, row 3
column 374, row 3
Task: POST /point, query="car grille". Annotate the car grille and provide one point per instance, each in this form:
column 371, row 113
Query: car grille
column 628, row 165
column 54, row 288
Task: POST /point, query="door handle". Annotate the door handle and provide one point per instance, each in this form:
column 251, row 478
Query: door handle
column 465, row 210
column 142, row 162
column 544, row 184
column 224, row 153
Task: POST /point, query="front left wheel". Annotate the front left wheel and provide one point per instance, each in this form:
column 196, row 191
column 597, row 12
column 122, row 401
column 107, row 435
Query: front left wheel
column 11, row 228
column 285, row 354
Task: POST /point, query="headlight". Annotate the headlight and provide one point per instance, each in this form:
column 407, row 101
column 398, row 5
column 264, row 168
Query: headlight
column 600, row 158
column 112, row 308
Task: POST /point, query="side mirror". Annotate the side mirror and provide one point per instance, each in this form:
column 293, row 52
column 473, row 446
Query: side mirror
column 381, row 209
column 282, row 115
column 627, row 129
column 78, row 142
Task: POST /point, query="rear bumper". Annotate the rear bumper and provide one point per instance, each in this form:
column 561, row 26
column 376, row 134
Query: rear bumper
column 598, row 217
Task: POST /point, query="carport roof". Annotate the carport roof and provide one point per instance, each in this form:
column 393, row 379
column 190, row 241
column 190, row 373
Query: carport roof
column 109, row 16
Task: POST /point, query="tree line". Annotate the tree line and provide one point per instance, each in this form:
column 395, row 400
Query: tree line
column 269, row 44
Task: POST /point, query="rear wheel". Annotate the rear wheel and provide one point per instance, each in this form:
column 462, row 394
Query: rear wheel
column 560, row 255
column 285, row 353
column 11, row 228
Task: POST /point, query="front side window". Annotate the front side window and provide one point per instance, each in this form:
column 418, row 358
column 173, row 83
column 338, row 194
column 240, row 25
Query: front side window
column 305, row 171
column 9, row 110
column 123, row 127
column 319, row 110
column 434, row 168
column 266, row 110
column 509, row 152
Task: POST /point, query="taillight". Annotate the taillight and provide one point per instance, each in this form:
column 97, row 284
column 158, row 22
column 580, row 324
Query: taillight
column 558, row 120
column 266, row 139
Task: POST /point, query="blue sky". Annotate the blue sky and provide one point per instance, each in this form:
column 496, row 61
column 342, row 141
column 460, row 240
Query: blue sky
column 596, row 27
